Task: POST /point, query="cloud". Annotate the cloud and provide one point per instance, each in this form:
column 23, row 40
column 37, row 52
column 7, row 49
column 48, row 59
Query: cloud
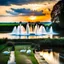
column 12, row 13
column 18, row 2
column 8, row 15
column 25, row 12
column 4, row 2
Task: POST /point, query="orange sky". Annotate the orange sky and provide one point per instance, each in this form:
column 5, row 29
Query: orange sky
column 42, row 6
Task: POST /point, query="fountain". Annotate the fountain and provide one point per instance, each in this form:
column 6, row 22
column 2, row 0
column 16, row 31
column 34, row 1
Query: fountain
column 47, row 25
column 51, row 31
column 14, row 30
column 42, row 30
column 19, row 31
column 27, row 29
column 38, row 31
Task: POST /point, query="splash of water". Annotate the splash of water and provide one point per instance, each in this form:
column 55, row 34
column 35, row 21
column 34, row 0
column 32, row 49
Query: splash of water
column 42, row 30
column 51, row 31
column 27, row 29
column 19, row 30
column 36, row 29
column 14, row 30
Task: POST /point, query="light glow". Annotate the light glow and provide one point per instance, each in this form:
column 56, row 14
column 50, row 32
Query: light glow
column 32, row 17
column 49, row 57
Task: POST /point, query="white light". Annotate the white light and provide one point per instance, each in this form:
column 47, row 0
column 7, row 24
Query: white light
column 32, row 17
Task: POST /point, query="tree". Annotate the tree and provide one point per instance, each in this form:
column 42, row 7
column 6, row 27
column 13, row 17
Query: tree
column 57, row 13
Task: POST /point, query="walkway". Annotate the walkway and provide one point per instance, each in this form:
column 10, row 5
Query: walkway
column 28, row 61
column 40, row 59
column 12, row 58
column 25, row 60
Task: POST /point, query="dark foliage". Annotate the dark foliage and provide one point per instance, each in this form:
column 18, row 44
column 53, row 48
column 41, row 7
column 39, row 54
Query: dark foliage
column 57, row 14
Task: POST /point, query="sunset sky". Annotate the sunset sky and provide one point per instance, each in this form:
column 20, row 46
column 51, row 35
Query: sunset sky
column 26, row 10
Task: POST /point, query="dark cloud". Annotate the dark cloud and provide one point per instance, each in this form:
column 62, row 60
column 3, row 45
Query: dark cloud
column 22, row 10
column 25, row 12
column 12, row 13
column 18, row 2
column 4, row 2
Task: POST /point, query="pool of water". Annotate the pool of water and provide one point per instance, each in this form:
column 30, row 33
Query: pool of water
column 9, row 36
column 53, row 56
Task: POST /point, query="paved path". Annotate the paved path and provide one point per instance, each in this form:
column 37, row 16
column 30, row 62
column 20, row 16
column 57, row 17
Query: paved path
column 12, row 58
column 40, row 59
column 28, row 61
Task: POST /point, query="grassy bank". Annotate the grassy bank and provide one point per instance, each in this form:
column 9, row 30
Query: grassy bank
column 22, row 57
column 8, row 24
column 44, row 42
column 2, row 46
column 4, row 57
column 7, row 27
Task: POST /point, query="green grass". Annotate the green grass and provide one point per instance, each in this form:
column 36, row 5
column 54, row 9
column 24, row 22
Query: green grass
column 1, row 47
column 21, row 57
column 32, row 58
column 4, row 24
column 3, row 57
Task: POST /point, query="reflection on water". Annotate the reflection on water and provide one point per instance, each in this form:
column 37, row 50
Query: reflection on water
column 52, row 57
column 37, row 32
column 30, row 32
column 7, row 35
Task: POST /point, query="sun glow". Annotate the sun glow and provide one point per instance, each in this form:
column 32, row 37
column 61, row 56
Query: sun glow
column 32, row 17
column 33, row 7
